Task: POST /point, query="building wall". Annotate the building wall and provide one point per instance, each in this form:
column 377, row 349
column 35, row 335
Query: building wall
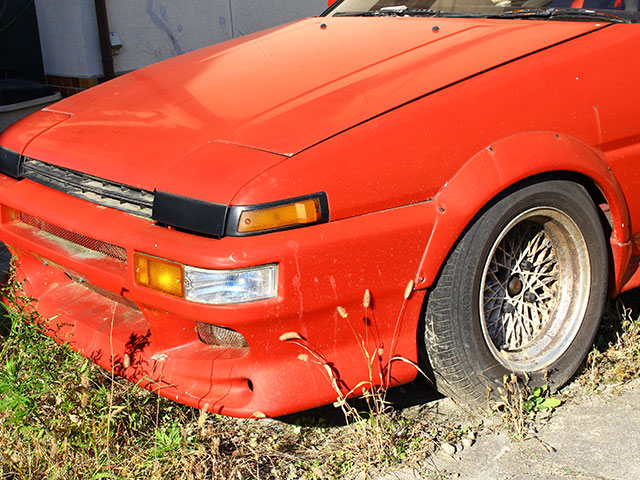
column 153, row 30
column 150, row 30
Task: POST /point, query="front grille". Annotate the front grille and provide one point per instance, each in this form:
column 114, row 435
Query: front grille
column 93, row 189
column 89, row 243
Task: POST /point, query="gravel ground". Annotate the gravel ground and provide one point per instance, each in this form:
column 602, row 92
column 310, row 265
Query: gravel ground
column 596, row 437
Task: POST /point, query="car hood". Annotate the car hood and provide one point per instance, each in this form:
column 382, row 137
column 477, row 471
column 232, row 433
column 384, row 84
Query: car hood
column 279, row 91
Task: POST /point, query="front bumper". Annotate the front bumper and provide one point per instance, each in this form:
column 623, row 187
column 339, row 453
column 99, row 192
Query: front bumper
column 150, row 338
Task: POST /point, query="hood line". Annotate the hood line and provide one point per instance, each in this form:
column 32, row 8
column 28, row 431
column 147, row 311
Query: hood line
column 447, row 86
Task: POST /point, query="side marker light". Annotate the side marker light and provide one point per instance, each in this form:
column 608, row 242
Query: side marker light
column 297, row 213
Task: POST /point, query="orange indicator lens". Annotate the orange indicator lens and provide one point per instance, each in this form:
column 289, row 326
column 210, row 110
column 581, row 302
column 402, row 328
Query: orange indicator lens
column 157, row 274
column 297, row 213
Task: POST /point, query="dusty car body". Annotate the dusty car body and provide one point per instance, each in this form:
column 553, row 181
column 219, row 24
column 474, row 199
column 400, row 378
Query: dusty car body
column 196, row 224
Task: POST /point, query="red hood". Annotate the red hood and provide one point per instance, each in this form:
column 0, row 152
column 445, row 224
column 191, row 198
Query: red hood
column 280, row 91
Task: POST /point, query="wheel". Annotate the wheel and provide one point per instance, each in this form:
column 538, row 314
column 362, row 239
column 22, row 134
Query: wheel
column 522, row 292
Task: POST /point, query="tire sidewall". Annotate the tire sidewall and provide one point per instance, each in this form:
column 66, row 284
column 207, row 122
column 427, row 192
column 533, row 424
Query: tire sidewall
column 477, row 244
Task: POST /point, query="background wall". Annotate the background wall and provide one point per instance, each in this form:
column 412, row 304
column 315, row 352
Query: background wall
column 151, row 30
column 69, row 38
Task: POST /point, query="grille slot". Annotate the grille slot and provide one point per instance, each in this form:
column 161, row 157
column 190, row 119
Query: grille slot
column 93, row 189
column 89, row 243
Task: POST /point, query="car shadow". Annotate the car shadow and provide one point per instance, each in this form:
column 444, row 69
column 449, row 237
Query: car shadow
column 5, row 321
column 5, row 258
column 418, row 392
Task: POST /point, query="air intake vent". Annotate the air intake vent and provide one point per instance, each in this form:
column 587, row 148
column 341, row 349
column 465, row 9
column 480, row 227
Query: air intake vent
column 93, row 189
column 89, row 243
column 220, row 336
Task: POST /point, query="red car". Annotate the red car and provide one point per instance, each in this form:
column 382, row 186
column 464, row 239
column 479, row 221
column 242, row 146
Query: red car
column 210, row 226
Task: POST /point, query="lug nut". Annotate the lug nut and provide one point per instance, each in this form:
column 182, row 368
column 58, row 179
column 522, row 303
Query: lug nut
column 507, row 308
column 530, row 297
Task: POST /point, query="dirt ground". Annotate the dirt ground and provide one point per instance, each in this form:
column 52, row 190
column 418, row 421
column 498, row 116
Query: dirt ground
column 592, row 437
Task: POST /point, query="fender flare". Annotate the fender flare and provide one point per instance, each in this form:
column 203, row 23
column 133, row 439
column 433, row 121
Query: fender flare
column 505, row 163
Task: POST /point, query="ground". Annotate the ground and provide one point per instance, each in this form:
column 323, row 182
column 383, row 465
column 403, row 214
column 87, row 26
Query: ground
column 591, row 437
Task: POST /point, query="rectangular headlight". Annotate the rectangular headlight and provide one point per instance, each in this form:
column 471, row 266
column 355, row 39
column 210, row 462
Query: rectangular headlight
column 213, row 287
column 223, row 287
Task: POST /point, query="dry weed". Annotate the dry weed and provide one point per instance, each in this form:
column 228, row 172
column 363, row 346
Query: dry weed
column 62, row 416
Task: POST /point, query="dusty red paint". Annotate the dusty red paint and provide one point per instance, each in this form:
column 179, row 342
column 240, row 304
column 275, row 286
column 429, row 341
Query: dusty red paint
column 408, row 131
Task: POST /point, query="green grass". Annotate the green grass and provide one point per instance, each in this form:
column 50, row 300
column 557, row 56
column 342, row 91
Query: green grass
column 61, row 416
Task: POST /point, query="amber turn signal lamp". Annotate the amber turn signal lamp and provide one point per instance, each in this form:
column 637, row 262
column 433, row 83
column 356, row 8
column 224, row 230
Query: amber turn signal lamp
column 157, row 274
column 299, row 212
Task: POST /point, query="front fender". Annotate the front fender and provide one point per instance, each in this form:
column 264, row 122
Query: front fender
column 505, row 163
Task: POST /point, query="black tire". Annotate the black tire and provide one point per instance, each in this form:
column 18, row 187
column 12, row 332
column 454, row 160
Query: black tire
column 523, row 291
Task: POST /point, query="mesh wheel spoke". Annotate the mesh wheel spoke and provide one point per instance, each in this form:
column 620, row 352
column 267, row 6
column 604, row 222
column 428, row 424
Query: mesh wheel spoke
column 524, row 245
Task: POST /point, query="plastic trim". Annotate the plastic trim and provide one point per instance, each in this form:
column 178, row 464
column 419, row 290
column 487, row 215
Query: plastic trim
column 190, row 214
column 10, row 162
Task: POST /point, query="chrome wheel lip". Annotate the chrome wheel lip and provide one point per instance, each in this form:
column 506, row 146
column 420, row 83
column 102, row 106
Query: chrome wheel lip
column 566, row 312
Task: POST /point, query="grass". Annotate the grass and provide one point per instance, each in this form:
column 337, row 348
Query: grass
column 613, row 361
column 63, row 417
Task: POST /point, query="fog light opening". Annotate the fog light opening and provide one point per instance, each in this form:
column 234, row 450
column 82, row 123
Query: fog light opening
column 220, row 336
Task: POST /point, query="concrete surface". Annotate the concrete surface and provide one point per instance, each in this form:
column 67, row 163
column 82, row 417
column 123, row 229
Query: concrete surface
column 595, row 438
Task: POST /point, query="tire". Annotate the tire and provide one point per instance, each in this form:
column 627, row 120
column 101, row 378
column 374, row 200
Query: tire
column 522, row 292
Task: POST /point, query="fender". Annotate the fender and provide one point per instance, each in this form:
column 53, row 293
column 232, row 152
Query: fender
column 505, row 163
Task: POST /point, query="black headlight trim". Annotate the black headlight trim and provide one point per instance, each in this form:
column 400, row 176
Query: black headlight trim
column 235, row 211
column 10, row 162
column 189, row 214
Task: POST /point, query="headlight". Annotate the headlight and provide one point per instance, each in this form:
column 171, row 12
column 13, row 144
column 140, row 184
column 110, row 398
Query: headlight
column 222, row 287
column 213, row 287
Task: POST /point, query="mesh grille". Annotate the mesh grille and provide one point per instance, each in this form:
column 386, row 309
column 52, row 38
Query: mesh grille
column 90, row 188
column 89, row 243
column 220, row 336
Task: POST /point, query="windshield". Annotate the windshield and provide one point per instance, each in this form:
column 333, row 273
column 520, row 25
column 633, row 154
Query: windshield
column 578, row 10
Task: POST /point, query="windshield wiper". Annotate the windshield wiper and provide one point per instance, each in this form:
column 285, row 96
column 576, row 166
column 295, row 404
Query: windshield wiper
column 409, row 12
column 556, row 13
column 396, row 11
column 560, row 14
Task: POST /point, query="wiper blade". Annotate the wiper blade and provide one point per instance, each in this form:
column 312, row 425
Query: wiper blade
column 557, row 13
column 560, row 13
column 395, row 11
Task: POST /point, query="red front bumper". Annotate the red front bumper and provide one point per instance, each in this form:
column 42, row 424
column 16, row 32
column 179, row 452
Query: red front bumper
column 150, row 338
